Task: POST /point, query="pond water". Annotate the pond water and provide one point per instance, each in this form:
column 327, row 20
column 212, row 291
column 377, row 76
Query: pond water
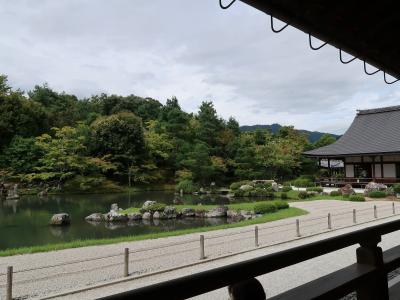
column 24, row 222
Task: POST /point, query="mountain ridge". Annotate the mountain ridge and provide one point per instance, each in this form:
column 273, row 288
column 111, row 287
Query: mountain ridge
column 313, row 136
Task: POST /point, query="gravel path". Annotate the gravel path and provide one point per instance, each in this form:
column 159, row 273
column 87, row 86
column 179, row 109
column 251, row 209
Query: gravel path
column 182, row 250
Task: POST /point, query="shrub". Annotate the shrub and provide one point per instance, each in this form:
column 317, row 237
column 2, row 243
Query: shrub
column 236, row 185
column 265, row 207
column 377, row 194
column 156, row 207
column 284, row 196
column 346, row 196
column 286, row 188
column 187, row 186
column 303, row 195
column 303, row 182
column 281, row 204
column 317, row 189
column 358, row 198
column 263, row 185
column 396, row 188
column 335, row 193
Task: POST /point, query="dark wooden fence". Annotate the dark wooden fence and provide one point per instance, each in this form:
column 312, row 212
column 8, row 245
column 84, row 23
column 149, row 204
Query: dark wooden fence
column 368, row 277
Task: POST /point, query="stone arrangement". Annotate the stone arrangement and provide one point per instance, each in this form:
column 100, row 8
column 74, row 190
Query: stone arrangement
column 60, row 219
column 149, row 211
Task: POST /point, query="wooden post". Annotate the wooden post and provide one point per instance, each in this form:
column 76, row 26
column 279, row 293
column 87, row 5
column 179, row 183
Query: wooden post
column 256, row 236
column 202, row 253
column 298, row 228
column 126, row 262
column 393, row 208
column 375, row 212
column 329, row 221
column 9, row 283
column 370, row 254
column 354, row 216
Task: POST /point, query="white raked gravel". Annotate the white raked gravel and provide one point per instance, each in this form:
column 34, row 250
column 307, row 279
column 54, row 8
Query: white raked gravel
column 51, row 281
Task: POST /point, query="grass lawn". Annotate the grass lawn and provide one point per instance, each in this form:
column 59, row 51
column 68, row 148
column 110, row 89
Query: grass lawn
column 233, row 206
column 280, row 214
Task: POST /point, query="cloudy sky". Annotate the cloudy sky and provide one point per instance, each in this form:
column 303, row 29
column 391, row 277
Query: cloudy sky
column 190, row 49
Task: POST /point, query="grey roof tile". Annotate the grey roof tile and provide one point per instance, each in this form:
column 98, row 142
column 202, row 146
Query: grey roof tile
column 373, row 131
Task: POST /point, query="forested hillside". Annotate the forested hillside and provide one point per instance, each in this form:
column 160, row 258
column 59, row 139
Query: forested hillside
column 312, row 136
column 56, row 138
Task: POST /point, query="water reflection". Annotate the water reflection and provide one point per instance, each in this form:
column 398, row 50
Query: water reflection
column 24, row 222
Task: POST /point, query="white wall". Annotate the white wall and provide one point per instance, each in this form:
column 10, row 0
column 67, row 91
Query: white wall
column 389, row 170
column 378, row 170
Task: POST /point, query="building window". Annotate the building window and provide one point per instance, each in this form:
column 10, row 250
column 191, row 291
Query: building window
column 362, row 171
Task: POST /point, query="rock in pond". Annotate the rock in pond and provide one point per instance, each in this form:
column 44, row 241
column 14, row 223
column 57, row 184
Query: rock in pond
column 114, row 216
column 234, row 214
column 114, row 207
column 95, row 217
column 61, row 219
column 146, row 216
column 217, row 212
column 159, row 215
column 188, row 212
column 170, row 212
column 134, row 216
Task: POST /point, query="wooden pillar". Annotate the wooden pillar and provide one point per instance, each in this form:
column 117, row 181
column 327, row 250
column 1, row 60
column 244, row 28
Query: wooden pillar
column 373, row 168
column 329, row 167
column 370, row 254
column 382, row 175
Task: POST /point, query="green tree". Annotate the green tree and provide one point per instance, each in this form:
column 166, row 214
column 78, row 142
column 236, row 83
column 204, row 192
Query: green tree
column 324, row 140
column 65, row 155
column 19, row 116
column 62, row 109
column 21, row 156
column 210, row 125
column 121, row 138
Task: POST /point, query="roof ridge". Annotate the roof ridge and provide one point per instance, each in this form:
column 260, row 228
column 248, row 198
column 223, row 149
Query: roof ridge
column 378, row 110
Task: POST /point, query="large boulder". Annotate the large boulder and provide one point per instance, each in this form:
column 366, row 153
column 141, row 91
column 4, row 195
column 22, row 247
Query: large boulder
column 374, row 186
column 217, row 212
column 134, row 216
column 347, row 190
column 275, row 186
column 148, row 203
column 170, row 212
column 61, row 219
column 146, row 216
column 114, row 216
column 247, row 214
column 234, row 215
column 159, row 215
column 95, row 217
column 246, row 187
column 200, row 213
column 114, row 207
column 188, row 212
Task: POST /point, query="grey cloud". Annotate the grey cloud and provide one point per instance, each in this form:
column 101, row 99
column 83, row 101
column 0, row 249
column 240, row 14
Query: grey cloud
column 188, row 48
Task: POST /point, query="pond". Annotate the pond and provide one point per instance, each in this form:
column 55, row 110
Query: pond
column 24, row 222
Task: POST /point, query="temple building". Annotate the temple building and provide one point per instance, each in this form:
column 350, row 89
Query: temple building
column 370, row 149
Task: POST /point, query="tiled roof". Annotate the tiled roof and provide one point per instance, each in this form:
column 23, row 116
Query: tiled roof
column 373, row 131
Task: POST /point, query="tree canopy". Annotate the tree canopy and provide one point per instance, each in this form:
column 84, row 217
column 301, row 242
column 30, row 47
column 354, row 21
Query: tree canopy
column 54, row 136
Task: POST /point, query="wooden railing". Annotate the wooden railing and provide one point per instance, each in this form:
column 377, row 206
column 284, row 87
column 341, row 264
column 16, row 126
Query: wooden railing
column 368, row 277
column 361, row 182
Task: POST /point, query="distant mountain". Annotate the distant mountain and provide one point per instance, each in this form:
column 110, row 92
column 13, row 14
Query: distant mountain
column 313, row 136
